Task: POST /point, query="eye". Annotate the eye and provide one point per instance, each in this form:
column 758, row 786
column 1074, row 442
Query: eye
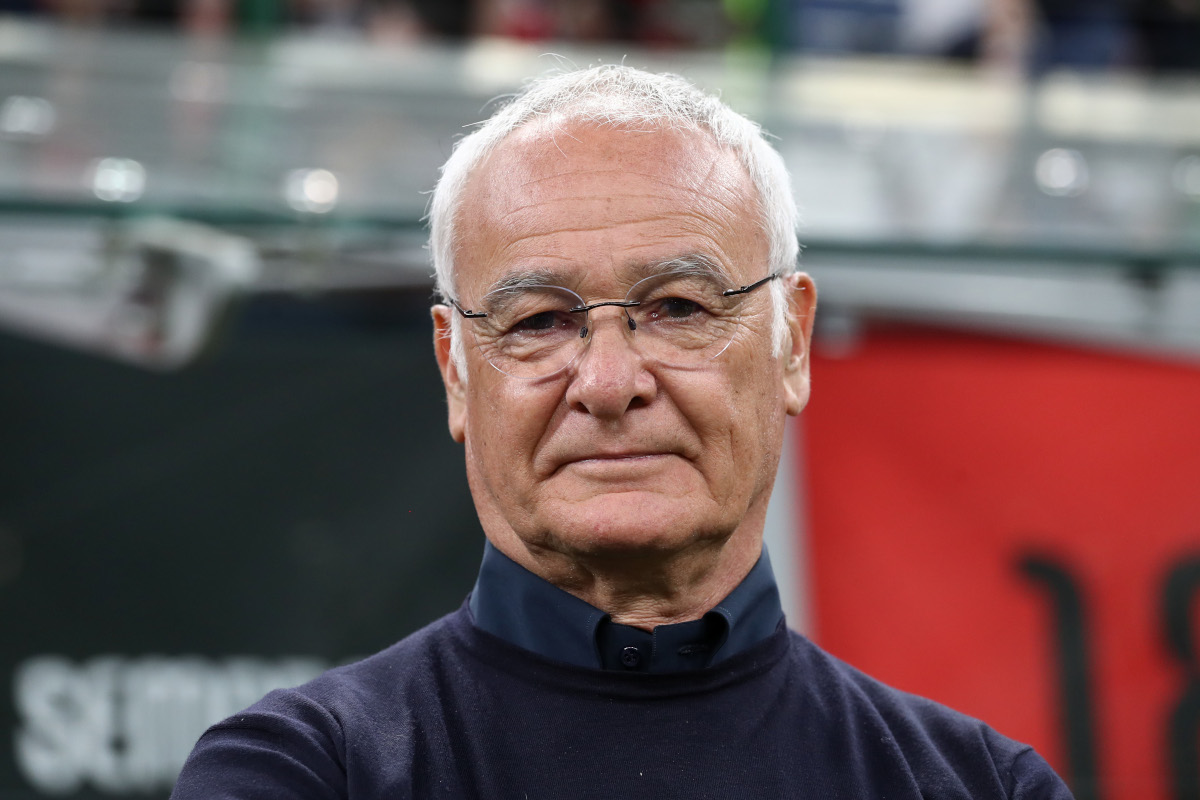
column 541, row 324
column 543, row 320
column 674, row 308
column 678, row 307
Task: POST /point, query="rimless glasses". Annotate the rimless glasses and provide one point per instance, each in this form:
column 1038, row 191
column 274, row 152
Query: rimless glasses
column 679, row 319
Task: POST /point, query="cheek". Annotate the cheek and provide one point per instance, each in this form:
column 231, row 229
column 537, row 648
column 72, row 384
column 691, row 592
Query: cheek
column 723, row 414
column 506, row 421
column 758, row 413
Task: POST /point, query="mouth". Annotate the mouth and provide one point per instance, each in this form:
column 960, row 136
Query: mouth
column 623, row 456
column 626, row 463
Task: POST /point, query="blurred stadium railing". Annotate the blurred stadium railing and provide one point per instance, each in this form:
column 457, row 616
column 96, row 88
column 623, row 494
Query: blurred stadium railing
column 1069, row 207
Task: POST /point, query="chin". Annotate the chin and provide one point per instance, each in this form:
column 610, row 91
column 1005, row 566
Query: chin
column 626, row 524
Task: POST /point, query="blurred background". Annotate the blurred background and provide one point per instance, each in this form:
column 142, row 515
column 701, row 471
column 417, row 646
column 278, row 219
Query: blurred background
column 223, row 458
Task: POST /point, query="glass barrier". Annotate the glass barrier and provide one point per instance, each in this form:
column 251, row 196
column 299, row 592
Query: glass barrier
column 320, row 153
column 340, row 132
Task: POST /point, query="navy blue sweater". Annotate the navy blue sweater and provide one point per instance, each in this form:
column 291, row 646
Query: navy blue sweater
column 455, row 712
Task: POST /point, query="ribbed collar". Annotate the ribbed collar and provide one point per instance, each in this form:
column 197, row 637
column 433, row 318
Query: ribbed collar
column 511, row 602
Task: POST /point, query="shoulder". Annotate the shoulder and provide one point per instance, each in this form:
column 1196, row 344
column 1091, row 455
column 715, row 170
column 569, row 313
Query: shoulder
column 938, row 745
column 404, row 668
column 844, row 690
column 303, row 740
column 343, row 695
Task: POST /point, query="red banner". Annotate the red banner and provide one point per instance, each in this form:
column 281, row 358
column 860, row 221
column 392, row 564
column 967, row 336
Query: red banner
column 1014, row 529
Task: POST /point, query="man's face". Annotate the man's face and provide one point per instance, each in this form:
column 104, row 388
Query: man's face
column 617, row 455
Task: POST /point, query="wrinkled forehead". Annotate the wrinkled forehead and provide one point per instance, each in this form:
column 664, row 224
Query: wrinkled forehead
column 653, row 191
column 554, row 145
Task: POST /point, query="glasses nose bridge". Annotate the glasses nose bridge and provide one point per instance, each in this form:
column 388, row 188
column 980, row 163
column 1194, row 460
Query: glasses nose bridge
column 625, row 330
column 588, row 324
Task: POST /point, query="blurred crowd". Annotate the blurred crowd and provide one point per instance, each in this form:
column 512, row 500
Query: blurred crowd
column 1154, row 35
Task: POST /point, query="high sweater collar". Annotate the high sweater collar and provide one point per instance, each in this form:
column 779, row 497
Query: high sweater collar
column 514, row 604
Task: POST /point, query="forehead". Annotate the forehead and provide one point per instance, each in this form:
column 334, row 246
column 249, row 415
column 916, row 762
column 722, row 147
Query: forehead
column 590, row 202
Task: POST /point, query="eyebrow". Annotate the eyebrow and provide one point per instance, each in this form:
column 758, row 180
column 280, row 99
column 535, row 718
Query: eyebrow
column 525, row 278
column 690, row 264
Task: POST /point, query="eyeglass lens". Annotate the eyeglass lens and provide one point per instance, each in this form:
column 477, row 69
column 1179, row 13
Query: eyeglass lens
column 678, row 320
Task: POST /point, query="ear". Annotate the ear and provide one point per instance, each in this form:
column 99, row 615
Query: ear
column 802, row 307
column 456, row 399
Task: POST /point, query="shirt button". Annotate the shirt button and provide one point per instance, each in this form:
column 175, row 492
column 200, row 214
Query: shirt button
column 631, row 657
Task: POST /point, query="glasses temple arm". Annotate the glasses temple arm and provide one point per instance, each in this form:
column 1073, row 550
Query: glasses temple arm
column 751, row 286
column 466, row 312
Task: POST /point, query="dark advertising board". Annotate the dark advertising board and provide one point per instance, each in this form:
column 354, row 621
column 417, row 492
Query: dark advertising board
column 175, row 544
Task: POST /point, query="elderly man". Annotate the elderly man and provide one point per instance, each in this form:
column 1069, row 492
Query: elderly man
column 623, row 336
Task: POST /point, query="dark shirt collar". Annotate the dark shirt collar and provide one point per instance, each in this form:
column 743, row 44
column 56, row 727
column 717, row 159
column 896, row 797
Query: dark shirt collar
column 511, row 602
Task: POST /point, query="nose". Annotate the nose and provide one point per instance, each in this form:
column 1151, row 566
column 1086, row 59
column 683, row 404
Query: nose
column 610, row 376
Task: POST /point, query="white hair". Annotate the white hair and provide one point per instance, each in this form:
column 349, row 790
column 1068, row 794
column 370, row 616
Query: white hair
column 618, row 96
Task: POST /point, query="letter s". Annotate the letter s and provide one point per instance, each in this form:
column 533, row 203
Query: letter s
column 46, row 691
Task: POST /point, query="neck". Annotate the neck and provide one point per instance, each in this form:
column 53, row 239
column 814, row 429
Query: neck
column 645, row 589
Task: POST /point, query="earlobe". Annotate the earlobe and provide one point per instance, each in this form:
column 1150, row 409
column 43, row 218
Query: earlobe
column 802, row 306
column 455, row 385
